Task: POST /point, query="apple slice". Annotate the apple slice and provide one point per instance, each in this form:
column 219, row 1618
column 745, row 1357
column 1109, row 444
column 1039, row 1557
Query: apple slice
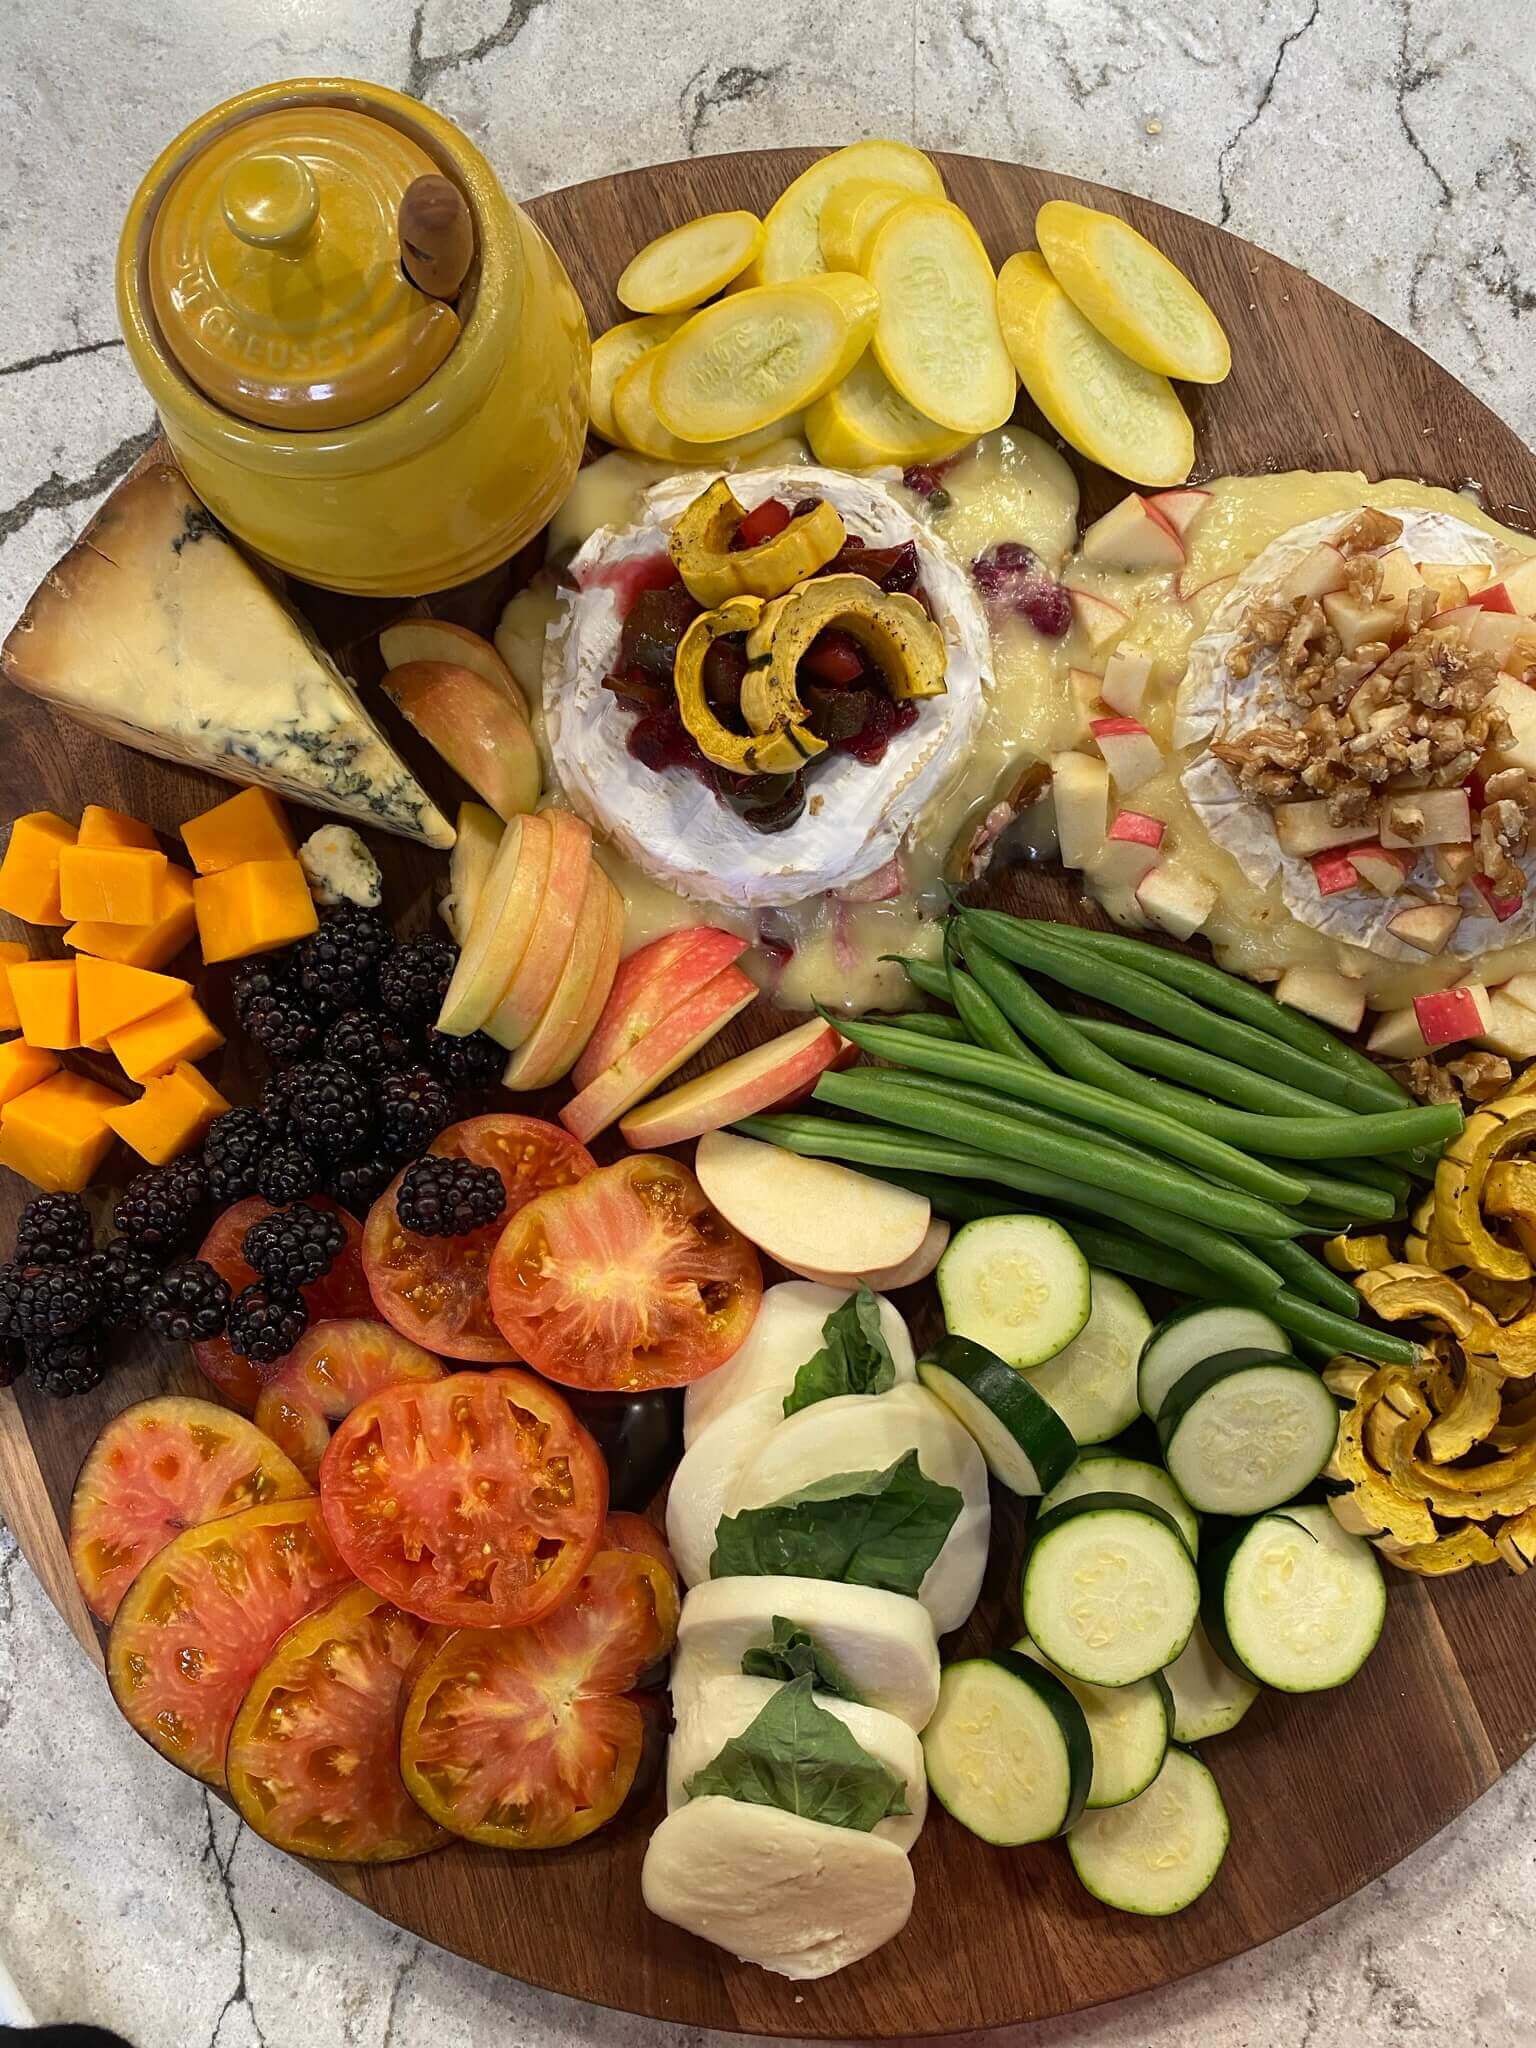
column 549, row 1051
column 1134, row 535
column 478, row 835
column 665, row 1048
column 503, row 920
column 1130, row 851
column 765, row 1078
column 887, row 1279
column 1305, row 828
column 1080, row 786
column 412, row 640
column 476, row 728
column 1335, row 872
column 535, row 976
column 1126, row 676
column 1520, row 585
column 1488, row 632
column 1130, row 752
column 1427, row 817
column 794, row 1208
column 1321, row 993
column 653, row 981
column 1100, row 619
column 1450, row 1014
column 1493, row 597
column 1502, row 907
column 1449, row 581
column 1180, row 508
column 1317, row 575
column 1427, row 927
column 1511, row 1028
column 1179, row 904
column 1382, row 868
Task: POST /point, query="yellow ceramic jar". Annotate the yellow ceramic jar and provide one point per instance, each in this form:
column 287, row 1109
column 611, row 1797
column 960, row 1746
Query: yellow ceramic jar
column 476, row 414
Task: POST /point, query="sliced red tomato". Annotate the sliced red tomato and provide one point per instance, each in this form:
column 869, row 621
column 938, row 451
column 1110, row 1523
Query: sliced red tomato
column 627, row 1281
column 342, row 1291
column 314, row 1755
column 333, row 1366
column 623, row 1531
column 200, row 1619
column 477, row 1500
column 432, row 1289
column 528, row 1738
column 158, row 1468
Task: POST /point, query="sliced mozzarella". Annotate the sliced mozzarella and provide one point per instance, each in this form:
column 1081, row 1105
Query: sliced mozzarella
column 789, row 1894
column 707, row 1475
column 881, row 1642
column 786, row 1333
column 722, row 1707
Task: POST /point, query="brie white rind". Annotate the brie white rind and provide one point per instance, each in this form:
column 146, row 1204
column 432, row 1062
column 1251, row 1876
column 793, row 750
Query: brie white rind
column 669, row 824
column 722, row 1707
column 1213, row 703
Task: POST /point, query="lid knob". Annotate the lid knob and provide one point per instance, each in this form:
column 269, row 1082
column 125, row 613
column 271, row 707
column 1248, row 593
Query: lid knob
column 269, row 199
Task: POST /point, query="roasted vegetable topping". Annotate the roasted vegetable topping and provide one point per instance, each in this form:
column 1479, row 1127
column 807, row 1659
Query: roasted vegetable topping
column 723, row 551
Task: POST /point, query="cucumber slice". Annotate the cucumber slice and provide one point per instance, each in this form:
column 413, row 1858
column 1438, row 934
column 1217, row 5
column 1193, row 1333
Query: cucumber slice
column 1244, row 1431
column 1017, row 1284
column 1091, row 1382
column 1208, row 1699
column 1100, row 1469
column 1157, row 1854
column 1182, row 1340
column 1290, row 1600
column 1008, row 1750
column 1024, row 1441
column 1110, row 1592
column 1128, row 1725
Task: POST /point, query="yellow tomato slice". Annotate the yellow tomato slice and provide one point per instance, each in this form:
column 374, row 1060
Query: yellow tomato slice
column 792, row 226
column 740, row 365
column 690, row 264
column 640, row 428
column 937, row 338
column 865, row 423
column 1128, row 289
column 854, row 208
column 1110, row 409
column 614, row 352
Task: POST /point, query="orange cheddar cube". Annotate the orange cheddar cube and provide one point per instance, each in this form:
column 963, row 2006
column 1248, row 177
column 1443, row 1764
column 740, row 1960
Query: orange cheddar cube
column 182, row 1030
column 47, row 1002
column 250, row 826
column 12, row 951
column 22, row 1066
column 143, row 945
column 56, row 1134
column 118, row 884
column 170, row 1117
column 102, row 827
column 252, row 908
column 29, row 874
column 112, row 995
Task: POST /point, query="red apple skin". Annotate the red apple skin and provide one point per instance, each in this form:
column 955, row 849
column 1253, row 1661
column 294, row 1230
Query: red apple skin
column 1493, row 597
column 1137, row 828
column 1448, row 1015
column 1334, row 872
column 1115, row 727
column 672, row 1043
column 768, row 1077
column 475, row 727
column 654, row 980
column 1503, row 907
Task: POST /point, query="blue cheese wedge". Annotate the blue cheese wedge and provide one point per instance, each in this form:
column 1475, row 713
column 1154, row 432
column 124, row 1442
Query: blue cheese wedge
column 156, row 631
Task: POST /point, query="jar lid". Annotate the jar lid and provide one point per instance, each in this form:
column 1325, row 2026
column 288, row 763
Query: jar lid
column 274, row 270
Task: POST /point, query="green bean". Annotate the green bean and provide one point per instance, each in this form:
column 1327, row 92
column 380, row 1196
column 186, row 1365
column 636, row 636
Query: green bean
column 1318, row 1220
column 958, row 1201
column 930, row 1024
column 982, row 1018
column 1320, row 1325
column 919, row 1104
column 1366, row 1204
column 1234, row 997
column 1084, row 1104
column 928, row 975
column 1310, row 1277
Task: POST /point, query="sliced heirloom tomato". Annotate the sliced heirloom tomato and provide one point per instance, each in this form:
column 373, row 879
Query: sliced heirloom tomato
column 198, row 1622
column 623, row 1531
column 476, row 1501
column 160, row 1467
column 333, row 1366
column 432, row 1289
column 314, row 1755
column 527, row 1738
column 627, row 1281
column 342, row 1291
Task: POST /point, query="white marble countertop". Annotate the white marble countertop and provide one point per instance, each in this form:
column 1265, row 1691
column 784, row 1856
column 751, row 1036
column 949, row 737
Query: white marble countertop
column 1385, row 145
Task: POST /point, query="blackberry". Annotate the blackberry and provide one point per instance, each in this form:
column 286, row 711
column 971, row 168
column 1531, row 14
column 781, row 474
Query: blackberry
column 358, row 1183
column 10, row 1322
column 53, row 1230
column 412, row 1108
column 472, row 1062
column 231, row 1151
column 265, row 1323
column 295, row 1247
column 271, row 1008
column 70, row 1365
column 272, row 1106
column 414, row 976
column 120, row 1273
column 257, row 981
column 368, row 1043
column 188, row 1304
column 162, row 1207
column 51, row 1302
column 338, row 964
column 332, row 1108
column 285, row 1172
column 449, row 1197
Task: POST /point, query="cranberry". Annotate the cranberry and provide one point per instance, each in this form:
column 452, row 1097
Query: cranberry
column 627, row 579
column 923, row 480
column 779, row 951
column 659, row 740
column 902, row 573
column 886, row 719
column 835, row 657
column 1012, row 578
column 761, row 524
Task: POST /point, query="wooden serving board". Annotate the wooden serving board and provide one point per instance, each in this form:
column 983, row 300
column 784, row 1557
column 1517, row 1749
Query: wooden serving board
column 1324, row 1793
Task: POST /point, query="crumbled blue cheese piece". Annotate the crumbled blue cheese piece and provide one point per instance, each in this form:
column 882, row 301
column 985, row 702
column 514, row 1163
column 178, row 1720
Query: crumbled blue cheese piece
column 340, row 868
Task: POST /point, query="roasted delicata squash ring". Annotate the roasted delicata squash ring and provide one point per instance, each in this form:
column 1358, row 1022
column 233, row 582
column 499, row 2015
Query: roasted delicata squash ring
column 772, row 750
column 1378, row 1501
column 1509, row 1193
column 1398, row 1292
column 1453, row 1552
column 1468, row 1417
column 700, row 547
column 1423, row 1245
column 890, row 626
column 1358, row 1254
column 1517, row 1540
column 1497, row 1130
column 1507, row 1301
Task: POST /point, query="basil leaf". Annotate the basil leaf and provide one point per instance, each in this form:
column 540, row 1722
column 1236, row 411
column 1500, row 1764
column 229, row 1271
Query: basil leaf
column 795, row 1653
column 864, row 1528
column 854, row 1357
column 797, row 1756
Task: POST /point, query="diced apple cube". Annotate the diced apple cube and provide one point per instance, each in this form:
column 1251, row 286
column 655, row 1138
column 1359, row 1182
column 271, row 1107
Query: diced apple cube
column 1323, row 994
column 1511, row 1028
column 1086, row 686
column 1451, row 1014
column 1126, row 676
column 1180, row 904
column 1335, row 872
column 1100, row 619
column 1396, row 1036
column 1181, row 508
column 1520, row 582
column 1129, row 749
column 1305, row 828
column 1315, row 575
column 1427, row 817
column 1381, row 868
column 1516, row 704
column 1134, row 535
column 1503, row 907
column 1081, row 789
column 1130, row 850
column 1398, row 577
column 1488, row 632
column 1359, row 622
column 1427, row 927
column 1454, row 865
column 1521, row 988
column 1449, row 581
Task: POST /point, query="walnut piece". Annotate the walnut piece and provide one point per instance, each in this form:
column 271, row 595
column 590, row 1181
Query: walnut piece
column 1481, row 1076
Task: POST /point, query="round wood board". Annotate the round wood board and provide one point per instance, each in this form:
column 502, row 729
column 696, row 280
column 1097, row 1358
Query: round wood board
column 1324, row 1793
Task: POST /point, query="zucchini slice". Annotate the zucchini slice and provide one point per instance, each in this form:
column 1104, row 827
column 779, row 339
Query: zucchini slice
column 1189, row 1335
column 1008, row 1750
column 1024, row 1441
column 1128, row 1725
column 1017, row 1284
column 1157, row 1854
column 1208, row 1699
column 1091, row 1382
column 1290, row 1600
column 1102, row 1469
column 1247, row 1430
column 1110, row 1593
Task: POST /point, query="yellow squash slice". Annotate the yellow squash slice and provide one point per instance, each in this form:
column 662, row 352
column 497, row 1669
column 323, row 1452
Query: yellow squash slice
column 792, row 227
column 853, row 210
column 1127, row 288
column 1110, row 409
column 938, row 338
column 635, row 418
column 865, row 423
column 688, row 265
column 855, row 294
column 615, row 352
column 756, row 356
